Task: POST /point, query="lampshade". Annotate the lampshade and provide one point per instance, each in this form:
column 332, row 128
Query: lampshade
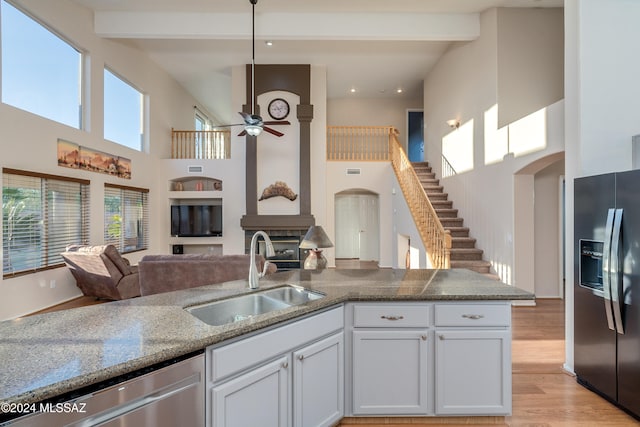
column 253, row 130
column 315, row 238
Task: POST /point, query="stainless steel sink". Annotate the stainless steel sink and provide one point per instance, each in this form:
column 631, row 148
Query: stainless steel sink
column 292, row 295
column 246, row 306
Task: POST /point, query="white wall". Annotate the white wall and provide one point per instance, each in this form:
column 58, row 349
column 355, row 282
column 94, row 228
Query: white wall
column 372, row 112
column 29, row 143
column 464, row 85
column 602, row 97
column 530, row 48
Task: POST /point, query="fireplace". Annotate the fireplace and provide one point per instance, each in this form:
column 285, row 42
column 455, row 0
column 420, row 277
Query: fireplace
column 285, row 243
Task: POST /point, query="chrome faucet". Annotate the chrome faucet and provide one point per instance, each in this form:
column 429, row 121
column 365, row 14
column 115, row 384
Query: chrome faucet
column 254, row 276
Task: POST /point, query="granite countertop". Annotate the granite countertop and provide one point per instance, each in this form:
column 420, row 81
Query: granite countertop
column 48, row 355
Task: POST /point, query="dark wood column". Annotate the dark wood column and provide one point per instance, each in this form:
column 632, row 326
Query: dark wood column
column 305, row 115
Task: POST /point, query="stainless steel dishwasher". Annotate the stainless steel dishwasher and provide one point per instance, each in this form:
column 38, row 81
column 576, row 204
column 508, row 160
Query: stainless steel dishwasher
column 170, row 396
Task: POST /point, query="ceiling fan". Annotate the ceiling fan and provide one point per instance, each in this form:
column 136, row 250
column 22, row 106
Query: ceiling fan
column 253, row 123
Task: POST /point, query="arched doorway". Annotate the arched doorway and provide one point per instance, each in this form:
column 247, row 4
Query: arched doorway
column 539, row 227
column 357, row 216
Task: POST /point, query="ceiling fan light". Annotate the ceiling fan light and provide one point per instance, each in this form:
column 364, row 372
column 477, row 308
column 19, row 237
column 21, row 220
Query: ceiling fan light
column 253, row 130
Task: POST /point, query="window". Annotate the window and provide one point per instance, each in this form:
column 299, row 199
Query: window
column 202, row 123
column 41, row 72
column 126, row 217
column 123, row 112
column 208, row 143
column 41, row 216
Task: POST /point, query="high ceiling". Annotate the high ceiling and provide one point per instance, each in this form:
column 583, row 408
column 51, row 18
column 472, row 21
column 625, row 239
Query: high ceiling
column 373, row 46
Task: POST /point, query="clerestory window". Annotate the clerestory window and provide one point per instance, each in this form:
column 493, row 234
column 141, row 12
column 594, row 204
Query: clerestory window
column 41, row 71
column 123, row 112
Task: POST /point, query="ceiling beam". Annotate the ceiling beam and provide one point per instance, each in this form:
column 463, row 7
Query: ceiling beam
column 289, row 26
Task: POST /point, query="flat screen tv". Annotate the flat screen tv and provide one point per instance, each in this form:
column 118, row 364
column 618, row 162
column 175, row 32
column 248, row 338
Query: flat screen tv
column 196, row 220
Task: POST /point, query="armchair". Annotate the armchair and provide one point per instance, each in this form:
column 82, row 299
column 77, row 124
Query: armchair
column 101, row 271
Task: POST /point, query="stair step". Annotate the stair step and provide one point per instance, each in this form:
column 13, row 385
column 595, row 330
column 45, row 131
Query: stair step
column 442, row 204
column 425, row 175
column 458, row 231
column 451, row 222
column 437, row 196
column 433, row 188
column 429, row 182
column 446, row 212
column 414, row 164
column 466, row 254
column 483, row 267
column 462, row 242
column 422, row 168
column 424, row 171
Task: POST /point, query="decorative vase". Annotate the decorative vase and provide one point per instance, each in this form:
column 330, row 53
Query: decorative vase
column 315, row 260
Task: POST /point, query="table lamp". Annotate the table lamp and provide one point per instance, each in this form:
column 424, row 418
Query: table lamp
column 315, row 240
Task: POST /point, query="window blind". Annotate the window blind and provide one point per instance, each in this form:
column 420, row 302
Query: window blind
column 41, row 215
column 126, row 217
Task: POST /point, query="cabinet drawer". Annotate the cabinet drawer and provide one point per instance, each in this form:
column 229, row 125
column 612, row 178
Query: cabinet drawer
column 473, row 314
column 233, row 358
column 391, row 315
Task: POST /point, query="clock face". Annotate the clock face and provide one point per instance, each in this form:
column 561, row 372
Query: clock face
column 278, row 109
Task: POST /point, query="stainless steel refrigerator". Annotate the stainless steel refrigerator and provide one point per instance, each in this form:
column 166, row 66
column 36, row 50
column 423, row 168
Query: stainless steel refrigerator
column 607, row 286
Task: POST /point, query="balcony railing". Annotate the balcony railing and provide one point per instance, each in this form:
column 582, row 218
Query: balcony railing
column 435, row 238
column 359, row 143
column 200, row 144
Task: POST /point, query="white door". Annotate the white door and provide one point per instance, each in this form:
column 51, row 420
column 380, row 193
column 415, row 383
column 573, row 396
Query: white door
column 257, row 398
column 347, row 242
column 357, row 226
column 473, row 372
column 390, row 372
column 318, row 383
column 369, row 228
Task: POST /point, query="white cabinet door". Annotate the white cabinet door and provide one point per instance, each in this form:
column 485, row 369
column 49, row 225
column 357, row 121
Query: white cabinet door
column 473, row 372
column 318, row 383
column 258, row 398
column 390, row 372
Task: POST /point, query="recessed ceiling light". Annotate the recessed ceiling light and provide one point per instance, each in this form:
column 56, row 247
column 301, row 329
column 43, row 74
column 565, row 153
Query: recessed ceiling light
column 269, row 43
column 353, row 90
column 399, row 90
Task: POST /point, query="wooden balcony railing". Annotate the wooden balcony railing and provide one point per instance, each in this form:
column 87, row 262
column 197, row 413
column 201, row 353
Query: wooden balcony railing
column 436, row 239
column 200, row 144
column 359, row 143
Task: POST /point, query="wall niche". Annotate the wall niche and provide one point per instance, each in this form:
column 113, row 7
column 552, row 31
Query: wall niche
column 190, row 183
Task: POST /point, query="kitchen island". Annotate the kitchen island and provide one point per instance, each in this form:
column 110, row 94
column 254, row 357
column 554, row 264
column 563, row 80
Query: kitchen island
column 48, row 356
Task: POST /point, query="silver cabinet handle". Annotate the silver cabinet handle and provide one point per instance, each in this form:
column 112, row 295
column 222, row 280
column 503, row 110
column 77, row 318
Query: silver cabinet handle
column 285, row 365
column 473, row 316
column 423, row 337
column 441, row 337
column 301, row 357
column 392, row 317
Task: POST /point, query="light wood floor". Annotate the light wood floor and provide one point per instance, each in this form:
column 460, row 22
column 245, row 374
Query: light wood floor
column 543, row 394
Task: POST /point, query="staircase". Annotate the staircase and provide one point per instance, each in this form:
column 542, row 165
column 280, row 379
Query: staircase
column 464, row 253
